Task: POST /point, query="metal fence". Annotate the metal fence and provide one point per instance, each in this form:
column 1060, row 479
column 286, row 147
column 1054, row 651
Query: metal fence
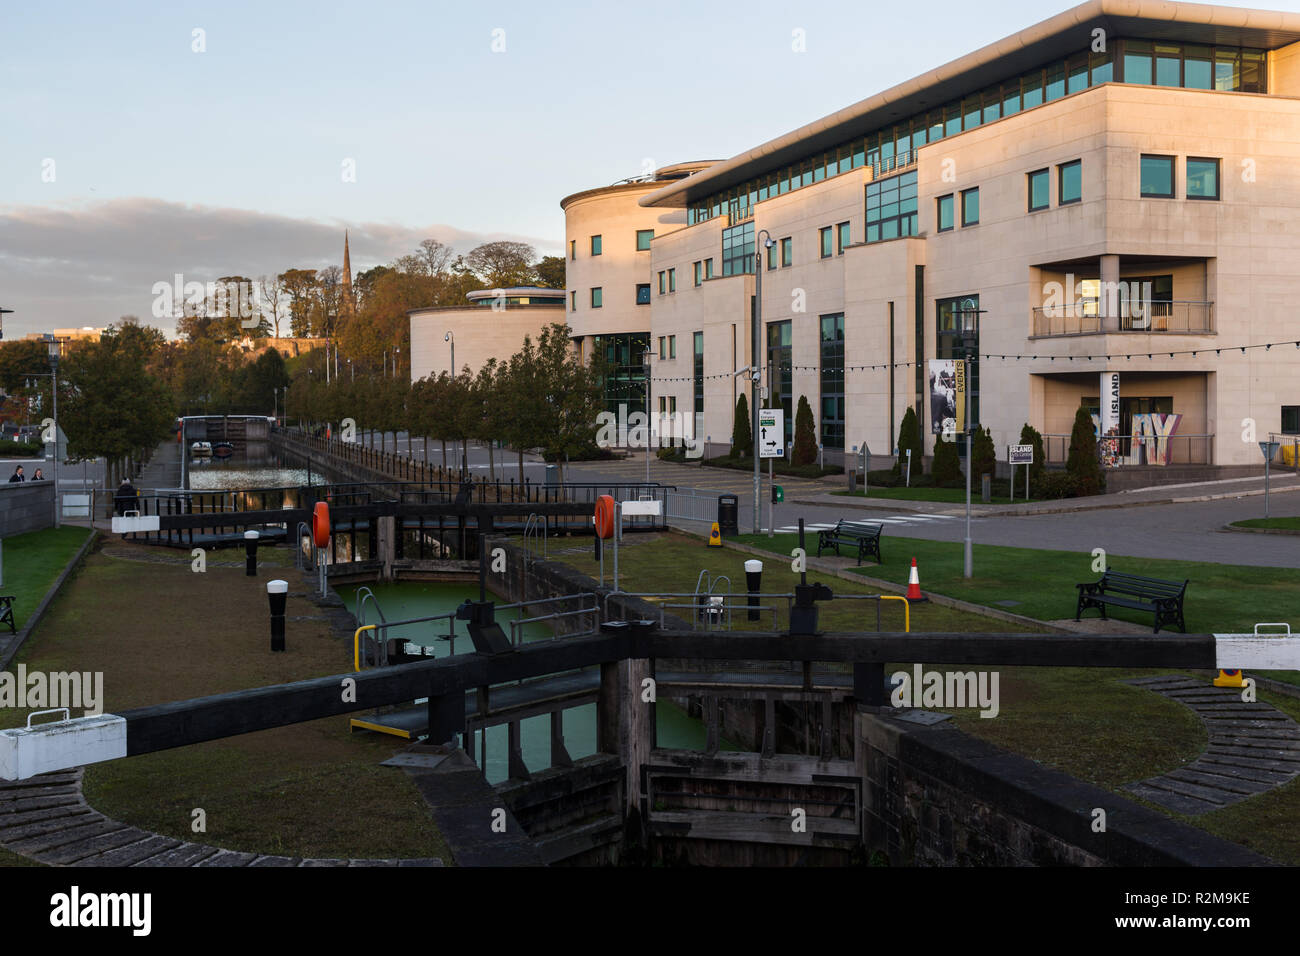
column 1084, row 316
column 693, row 504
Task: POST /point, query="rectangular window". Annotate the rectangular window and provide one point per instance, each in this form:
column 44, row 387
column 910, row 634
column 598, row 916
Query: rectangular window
column 643, row 293
column 738, row 250
column 595, row 245
column 672, row 346
column 780, row 372
column 891, row 207
column 1227, row 69
column 643, row 237
column 663, row 348
column 771, row 257
column 1137, row 62
column 1040, row 190
column 1169, row 64
column 672, row 280
column 1032, row 89
column 597, row 297
column 1055, row 86
column 708, row 268
column 825, row 236
column 663, row 282
column 842, row 238
column 1202, row 178
column 952, row 119
column 1011, row 98
column 945, row 206
column 1077, row 68
column 832, row 380
column 970, row 112
column 1291, row 419
column 1069, row 186
column 698, row 374
column 1157, row 177
column 672, row 404
column 663, row 405
column 951, row 314
column 573, row 248
column 697, row 268
column 1103, row 68
column 1198, row 68
column 787, row 252
column 970, row 207
column 573, row 301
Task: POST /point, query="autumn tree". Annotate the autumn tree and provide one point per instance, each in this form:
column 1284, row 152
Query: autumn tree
column 503, row 264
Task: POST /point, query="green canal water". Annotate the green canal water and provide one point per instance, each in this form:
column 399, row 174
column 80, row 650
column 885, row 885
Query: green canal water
column 414, row 599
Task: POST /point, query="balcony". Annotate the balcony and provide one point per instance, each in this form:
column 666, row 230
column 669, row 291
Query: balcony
column 1083, row 317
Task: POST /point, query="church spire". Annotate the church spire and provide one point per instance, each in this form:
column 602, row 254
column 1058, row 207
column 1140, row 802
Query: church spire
column 348, row 303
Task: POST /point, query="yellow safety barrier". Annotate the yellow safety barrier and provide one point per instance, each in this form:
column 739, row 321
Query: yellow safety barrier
column 907, row 614
column 356, row 645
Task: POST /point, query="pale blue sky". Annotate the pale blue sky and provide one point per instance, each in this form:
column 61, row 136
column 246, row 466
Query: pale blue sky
column 229, row 160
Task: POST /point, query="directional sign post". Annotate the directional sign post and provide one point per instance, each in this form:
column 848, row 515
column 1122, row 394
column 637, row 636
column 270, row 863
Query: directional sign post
column 771, row 445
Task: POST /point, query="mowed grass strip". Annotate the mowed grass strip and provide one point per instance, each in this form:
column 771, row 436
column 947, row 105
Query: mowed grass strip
column 1276, row 524
column 160, row 632
column 32, row 563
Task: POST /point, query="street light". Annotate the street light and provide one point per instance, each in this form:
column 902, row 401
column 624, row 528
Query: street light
column 756, row 322
column 53, row 344
column 969, row 329
column 452, row 339
column 352, row 370
column 645, row 360
column 1269, row 448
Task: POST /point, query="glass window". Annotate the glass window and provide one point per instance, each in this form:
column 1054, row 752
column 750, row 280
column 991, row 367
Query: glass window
column 826, row 241
column 1040, row 190
column 1202, row 178
column 663, row 282
column 708, row 268
column 1031, row 89
column 945, row 206
column 1157, row 173
column 842, row 237
column 573, row 301
column 643, row 237
column 698, row 271
column 1055, row 82
column 663, row 349
column 1078, row 73
column 935, row 122
column 1103, row 70
column 1227, row 69
column 970, row 111
column 698, row 370
column 1137, row 62
column 1290, row 419
column 950, row 315
column 952, row 119
column 1169, row 64
column 1070, row 186
column 1252, row 72
column 891, row 207
column 595, row 245
column 643, row 293
column 787, row 252
column 672, row 280
column 771, row 256
column 832, row 380
column 672, row 346
column 737, row 250
column 992, row 104
column 781, row 372
column 573, row 248
column 970, row 207
column 1198, row 69
column 1011, row 98
column 597, row 297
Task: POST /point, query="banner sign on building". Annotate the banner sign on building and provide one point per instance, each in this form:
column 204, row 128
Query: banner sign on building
column 947, row 396
column 1108, row 445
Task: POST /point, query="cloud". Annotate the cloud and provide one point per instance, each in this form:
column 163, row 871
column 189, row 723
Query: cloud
column 87, row 263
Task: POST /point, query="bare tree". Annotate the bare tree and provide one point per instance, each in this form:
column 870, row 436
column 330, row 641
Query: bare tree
column 272, row 290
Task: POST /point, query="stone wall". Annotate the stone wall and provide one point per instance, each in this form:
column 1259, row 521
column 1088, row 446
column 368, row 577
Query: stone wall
column 26, row 506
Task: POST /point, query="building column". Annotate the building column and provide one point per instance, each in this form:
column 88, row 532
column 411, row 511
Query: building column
column 1109, row 307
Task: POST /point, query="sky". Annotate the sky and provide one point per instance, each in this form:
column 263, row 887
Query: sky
column 139, row 141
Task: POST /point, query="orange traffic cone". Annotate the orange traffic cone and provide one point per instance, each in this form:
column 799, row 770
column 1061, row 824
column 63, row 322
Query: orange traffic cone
column 914, row 585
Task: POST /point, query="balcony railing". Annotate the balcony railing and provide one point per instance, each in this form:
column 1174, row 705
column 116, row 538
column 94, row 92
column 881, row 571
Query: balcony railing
column 1119, row 451
column 1083, row 317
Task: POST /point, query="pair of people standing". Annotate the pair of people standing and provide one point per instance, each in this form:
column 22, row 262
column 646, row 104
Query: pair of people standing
column 19, row 476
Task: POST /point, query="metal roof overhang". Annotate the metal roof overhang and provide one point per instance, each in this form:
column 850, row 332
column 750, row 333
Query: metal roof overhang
column 1067, row 33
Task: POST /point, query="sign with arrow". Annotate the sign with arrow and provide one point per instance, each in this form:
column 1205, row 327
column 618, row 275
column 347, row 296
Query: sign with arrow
column 771, row 433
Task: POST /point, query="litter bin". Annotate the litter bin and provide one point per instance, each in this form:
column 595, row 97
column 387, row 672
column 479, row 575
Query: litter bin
column 552, row 474
column 728, row 514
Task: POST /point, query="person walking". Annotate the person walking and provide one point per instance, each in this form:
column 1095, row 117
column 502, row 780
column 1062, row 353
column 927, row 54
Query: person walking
column 39, row 476
column 126, row 497
column 17, row 475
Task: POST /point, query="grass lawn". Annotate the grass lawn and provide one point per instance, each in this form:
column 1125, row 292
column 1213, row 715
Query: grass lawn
column 1281, row 524
column 160, row 632
column 33, row 561
column 941, row 495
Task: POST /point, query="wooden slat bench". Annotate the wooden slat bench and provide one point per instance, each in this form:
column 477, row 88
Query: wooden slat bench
column 1163, row 598
column 864, row 536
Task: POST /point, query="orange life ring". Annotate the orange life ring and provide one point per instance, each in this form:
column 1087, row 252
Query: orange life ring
column 320, row 524
column 605, row 510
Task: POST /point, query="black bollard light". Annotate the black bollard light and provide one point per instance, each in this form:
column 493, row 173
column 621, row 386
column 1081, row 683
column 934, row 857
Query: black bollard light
column 250, row 553
column 754, row 582
column 278, row 593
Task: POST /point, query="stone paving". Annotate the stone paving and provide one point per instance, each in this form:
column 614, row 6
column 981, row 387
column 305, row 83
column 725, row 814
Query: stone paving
column 1253, row 748
column 46, row 819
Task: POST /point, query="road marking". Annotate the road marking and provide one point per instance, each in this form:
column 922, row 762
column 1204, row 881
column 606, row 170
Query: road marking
column 942, row 517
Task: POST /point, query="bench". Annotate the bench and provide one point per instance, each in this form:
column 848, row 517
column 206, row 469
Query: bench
column 861, row 535
column 7, row 612
column 1164, row 598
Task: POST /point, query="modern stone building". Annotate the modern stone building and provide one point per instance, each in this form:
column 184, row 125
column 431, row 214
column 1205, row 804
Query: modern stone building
column 492, row 325
column 1114, row 190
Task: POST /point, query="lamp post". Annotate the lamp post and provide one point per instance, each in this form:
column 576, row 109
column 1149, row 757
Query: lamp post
column 645, row 361
column 1269, row 448
column 756, row 322
column 970, row 330
column 53, row 344
column 452, row 339
column 397, row 354
column 352, row 370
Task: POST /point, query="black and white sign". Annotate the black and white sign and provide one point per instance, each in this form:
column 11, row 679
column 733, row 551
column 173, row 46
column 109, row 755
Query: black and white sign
column 771, row 433
column 1020, row 454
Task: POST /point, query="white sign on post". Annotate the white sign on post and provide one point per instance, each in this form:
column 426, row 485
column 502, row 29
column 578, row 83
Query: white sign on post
column 1020, row 454
column 771, row 433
